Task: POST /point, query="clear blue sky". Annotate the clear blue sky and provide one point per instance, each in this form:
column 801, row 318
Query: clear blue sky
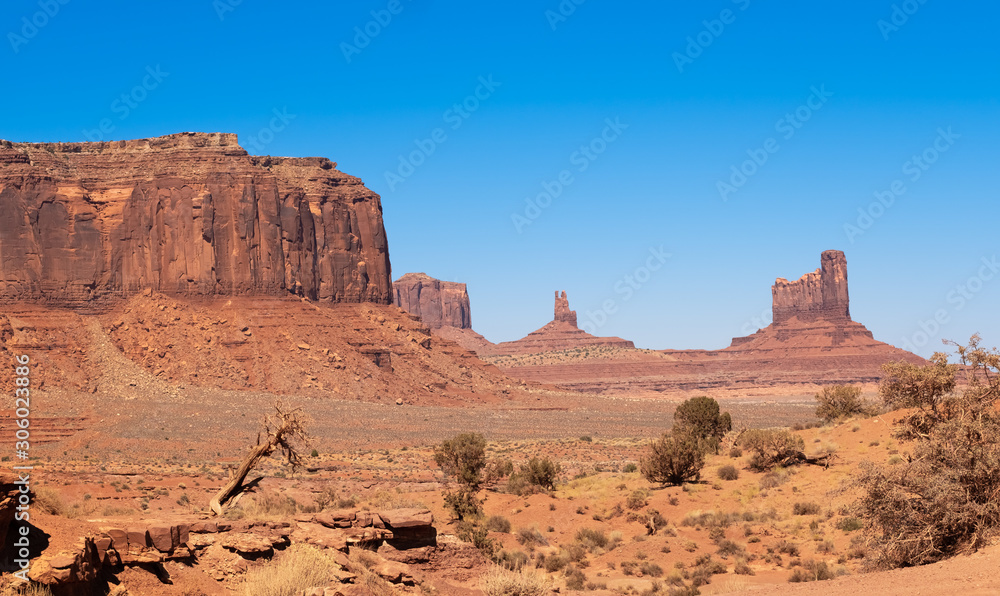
column 692, row 109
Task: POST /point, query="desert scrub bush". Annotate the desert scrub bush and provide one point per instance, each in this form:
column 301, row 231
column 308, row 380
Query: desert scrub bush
column 636, row 500
column 50, row 501
column 537, row 473
column 594, row 541
column 651, row 569
column 630, row 468
column 478, row 536
column 772, row 447
column 943, row 500
column 463, row 503
column 264, row 506
column 841, row 401
column 504, row 582
column 575, row 579
column 531, row 537
column 512, row 560
column 700, row 418
column 773, row 479
column 729, row 472
column 850, row 524
column 496, row 469
column 298, row 568
column 673, row 460
column 728, row 548
column 742, row 568
column 498, row 523
column 22, row 589
column 787, row 548
column 811, row 571
column 805, row 509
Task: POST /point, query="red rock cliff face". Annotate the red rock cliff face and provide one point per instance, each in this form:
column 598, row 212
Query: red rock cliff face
column 821, row 294
column 437, row 303
column 189, row 214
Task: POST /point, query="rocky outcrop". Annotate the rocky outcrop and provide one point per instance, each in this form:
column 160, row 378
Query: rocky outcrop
column 562, row 311
column 821, row 294
column 189, row 214
column 560, row 334
column 437, row 303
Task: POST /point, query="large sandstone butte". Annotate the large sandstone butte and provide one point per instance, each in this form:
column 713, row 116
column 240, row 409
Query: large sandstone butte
column 811, row 342
column 437, row 303
column 560, row 334
column 186, row 214
column 821, row 294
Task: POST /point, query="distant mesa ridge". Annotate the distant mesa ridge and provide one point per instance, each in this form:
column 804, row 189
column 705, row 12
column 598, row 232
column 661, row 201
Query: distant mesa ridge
column 184, row 214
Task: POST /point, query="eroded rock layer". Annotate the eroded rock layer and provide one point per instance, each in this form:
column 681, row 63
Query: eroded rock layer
column 188, row 214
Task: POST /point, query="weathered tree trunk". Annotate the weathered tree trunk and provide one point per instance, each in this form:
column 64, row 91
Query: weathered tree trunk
column 235, row 485
column 279, row 433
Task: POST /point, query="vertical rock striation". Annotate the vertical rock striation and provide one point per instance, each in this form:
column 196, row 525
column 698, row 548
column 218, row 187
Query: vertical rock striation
column 438, row 303
column 187, row 214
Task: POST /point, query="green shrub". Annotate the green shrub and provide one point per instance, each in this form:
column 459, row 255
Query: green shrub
column 673, row 460
column 630, row 468
column 463, row 458
column 700, row 418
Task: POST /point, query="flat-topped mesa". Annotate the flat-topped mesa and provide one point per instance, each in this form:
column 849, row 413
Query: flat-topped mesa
column 821, row 294
column 186, row 214
column 562, row 311
column 438, row 303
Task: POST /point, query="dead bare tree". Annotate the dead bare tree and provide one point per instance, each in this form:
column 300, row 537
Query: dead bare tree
column 281, row 432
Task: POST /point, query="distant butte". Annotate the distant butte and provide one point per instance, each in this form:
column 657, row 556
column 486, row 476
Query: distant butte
column 812, row 341
column 561, row 333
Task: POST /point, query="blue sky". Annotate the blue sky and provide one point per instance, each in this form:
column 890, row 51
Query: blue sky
column 838, row 97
